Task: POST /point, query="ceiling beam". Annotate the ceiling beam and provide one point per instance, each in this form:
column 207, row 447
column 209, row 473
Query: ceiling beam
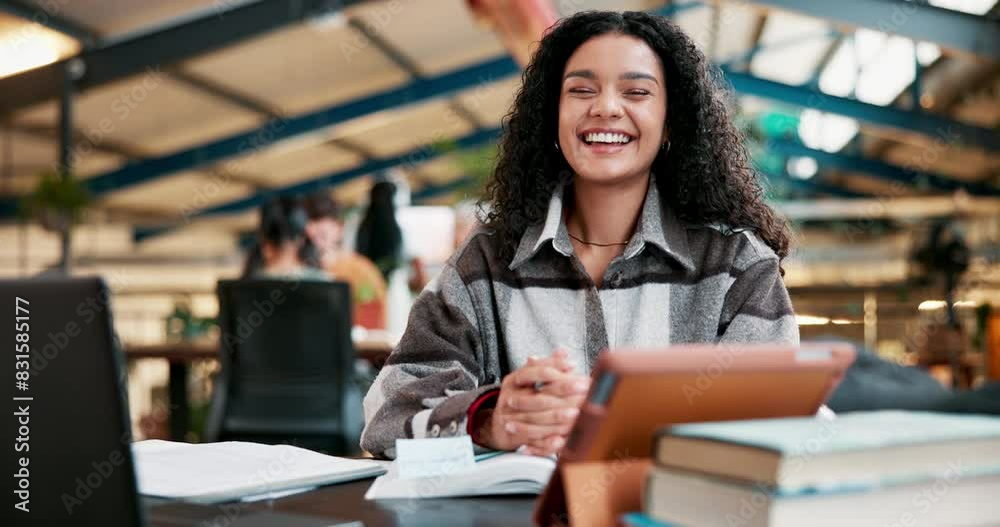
column 217, row 29
column 220, row 91
column 407, row 64
column 896, row 208
column 437, row 190
column 908, row 121
column 490, row 71
column 420, row 154
column 282, row 129
column 808, row 185
column 497, row 69
column 51, row 133
column 956, row 30
column 880, row 169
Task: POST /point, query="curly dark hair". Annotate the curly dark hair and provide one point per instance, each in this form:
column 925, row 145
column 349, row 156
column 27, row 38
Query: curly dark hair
column 705, row 176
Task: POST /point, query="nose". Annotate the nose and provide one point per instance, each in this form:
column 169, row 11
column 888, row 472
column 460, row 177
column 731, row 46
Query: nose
column 606, row 105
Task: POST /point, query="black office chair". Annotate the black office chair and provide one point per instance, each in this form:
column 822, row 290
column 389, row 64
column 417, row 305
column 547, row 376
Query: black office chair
column 287, row 366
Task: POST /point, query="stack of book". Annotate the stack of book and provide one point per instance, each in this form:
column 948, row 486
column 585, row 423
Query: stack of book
column 883, row 469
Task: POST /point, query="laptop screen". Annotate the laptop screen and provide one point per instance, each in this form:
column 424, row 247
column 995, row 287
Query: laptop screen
column 66, row 418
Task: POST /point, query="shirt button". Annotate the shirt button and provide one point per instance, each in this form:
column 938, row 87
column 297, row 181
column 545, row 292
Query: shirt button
column 435, row 430
column 453, row 428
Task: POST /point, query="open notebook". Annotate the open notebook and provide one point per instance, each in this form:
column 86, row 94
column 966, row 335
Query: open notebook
column 508, row 473
column 230, row 471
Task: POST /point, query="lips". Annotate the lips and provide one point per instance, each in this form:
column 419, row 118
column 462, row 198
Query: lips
column 605, row 140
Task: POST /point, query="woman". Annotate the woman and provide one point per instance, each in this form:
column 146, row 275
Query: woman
column 368, row 287
column 623, row 212
column 379, row 237
column 283, row 250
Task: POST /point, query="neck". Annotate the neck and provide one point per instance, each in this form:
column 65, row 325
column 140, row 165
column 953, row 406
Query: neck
column 329, row 257
column 285, row 260
column 607, row 214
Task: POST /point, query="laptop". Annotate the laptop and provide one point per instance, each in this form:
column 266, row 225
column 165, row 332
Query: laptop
column 72, row 462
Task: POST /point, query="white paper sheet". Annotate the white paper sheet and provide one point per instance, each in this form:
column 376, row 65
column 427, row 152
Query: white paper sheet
column 216, row 472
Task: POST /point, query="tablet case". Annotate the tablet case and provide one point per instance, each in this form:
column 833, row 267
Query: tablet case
column 602, row 470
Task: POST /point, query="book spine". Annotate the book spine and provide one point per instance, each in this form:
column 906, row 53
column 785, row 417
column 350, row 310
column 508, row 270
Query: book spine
column 657, row 450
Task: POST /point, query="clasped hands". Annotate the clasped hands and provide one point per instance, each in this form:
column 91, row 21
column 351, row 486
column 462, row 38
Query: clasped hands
column 537, row 406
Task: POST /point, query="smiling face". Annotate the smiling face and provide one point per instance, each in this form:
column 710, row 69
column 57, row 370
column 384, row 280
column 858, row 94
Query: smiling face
column 612, row 109
column 325, row 233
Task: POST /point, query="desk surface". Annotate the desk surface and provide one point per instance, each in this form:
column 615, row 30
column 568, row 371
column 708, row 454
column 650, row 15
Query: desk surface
column 346, row 501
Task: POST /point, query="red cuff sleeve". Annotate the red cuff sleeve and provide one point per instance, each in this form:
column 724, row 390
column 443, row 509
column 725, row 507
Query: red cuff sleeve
column 486, row 400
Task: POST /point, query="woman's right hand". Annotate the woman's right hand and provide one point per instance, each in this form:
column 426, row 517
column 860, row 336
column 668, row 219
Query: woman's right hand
column 539, row 420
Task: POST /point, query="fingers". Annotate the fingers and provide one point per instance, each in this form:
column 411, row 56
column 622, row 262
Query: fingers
column 569, row 386
column 545, row 447
column 526, row 433
column 555, row 416
column 528, row 375
column 559, row 360
column 531, row 401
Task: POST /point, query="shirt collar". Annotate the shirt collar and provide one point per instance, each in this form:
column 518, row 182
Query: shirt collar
column 657, row 226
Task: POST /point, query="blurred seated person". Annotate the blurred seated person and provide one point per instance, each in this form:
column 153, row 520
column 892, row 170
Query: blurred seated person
column 325, row 230
column 283, row 250
column 874, row 383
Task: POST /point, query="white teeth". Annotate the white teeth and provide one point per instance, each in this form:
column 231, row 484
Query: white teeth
column 604, row 137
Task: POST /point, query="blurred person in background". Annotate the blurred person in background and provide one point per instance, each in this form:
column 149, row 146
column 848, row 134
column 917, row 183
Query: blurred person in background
column 380, row 239
column 283, row 250
column 368, row 287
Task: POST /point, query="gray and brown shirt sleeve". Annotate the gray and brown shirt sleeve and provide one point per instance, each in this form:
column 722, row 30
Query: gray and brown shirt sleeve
column 757, row 308
column 434, row 374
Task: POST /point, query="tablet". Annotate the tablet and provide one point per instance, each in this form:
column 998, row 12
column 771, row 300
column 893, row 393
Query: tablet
column 635, row 392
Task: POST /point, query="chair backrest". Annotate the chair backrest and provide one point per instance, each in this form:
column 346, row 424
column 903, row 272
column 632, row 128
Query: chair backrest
column 287, row 365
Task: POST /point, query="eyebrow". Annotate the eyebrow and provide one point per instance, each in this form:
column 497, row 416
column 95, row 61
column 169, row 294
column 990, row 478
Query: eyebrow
column 629, row 75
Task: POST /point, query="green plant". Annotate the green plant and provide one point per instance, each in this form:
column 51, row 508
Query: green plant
column 477, row 163
column 183, row 326
column 57, row 202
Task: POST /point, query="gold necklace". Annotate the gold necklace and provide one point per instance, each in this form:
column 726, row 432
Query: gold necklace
column 585, row 242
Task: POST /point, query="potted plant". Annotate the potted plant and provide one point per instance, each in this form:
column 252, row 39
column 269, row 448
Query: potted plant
column 477, row 163
column 57, row 202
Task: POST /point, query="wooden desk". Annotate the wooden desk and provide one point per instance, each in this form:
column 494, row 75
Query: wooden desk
column 181, row 354
column 346, row 501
